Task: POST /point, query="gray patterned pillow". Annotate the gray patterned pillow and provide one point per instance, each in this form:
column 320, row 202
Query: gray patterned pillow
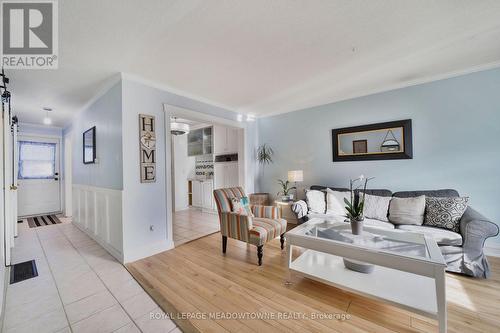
column 445, row 212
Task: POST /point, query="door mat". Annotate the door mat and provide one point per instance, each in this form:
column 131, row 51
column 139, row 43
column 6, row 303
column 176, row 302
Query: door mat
column 40, row 221
column 23, row 271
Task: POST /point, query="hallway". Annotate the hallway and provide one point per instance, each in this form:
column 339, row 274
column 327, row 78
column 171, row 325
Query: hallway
column 79, row 288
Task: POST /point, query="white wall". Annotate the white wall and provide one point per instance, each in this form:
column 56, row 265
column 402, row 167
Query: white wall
column 97, row 188
column 183, row 169
column 98, row 212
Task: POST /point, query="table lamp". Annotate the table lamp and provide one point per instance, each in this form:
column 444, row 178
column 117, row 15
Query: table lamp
column 295, row 176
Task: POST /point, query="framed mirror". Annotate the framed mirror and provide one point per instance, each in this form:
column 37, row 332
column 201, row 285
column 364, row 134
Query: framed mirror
column 89, row 146
column 382, row 141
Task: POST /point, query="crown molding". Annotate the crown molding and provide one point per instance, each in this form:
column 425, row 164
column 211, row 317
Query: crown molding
column 170, row 89
column 388, row 88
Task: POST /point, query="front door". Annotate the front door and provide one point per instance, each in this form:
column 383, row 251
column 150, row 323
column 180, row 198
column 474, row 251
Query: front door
column 39, row 190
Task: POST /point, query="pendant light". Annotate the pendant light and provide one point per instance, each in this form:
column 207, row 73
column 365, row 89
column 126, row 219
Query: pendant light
column 47, row 120
column 390, row 144
column 177, row 128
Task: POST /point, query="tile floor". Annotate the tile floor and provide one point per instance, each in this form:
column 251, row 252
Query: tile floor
column 192, row 224
column 80, row 287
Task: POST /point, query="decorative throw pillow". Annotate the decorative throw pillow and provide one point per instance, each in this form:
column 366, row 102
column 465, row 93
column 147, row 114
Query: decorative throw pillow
column 376, row 207
column 407, row 210
column 241, row 206
column 445, row 212
column 335, row 202
column 316, row 201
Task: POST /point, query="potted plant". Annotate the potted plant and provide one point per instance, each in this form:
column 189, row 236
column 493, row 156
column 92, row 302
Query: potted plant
column 355, row 209
column 285, row 190
column 264, row 157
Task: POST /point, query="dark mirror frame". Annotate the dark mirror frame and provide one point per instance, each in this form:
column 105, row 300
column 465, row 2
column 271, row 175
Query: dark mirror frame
column 92, row 129
column 407, row 136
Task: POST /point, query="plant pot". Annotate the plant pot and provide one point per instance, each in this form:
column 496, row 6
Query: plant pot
column 286, row 198
column 358, row 266
column 357, row 227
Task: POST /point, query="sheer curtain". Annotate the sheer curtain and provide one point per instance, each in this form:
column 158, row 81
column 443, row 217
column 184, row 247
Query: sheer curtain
column 36, row 160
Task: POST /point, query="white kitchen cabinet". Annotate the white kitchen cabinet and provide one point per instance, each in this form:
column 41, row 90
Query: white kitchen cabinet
column 226, row 174
column 208, row 197
column 197, row 194
column 203, row 194
column 232, row 174
column 225, row 140
column 219, row 175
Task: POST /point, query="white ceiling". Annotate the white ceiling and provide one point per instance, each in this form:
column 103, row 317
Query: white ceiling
column 260, row 56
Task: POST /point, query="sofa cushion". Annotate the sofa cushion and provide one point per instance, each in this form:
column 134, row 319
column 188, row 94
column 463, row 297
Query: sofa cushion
column 339, row 218
column 265, row 230
column 316, row 201
column 407, row 210
column 376, row 207
column 442, row 236
column 335, row 204
column 323, row 188
column 428, row 193
column 445, row 212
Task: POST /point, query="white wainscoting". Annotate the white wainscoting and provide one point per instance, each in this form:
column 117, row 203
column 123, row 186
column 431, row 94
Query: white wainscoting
column 98, row 212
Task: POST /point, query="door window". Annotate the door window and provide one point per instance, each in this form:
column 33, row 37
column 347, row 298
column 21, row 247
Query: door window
column 37, row 160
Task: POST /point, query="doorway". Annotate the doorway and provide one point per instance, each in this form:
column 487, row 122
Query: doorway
column 208, row 155
column 39, row 188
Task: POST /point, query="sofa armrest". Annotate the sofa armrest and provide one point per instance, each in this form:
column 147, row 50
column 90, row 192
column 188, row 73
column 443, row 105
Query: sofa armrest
column 475, row 229
column 268, row 212
column 235, row 225
column 300, row 209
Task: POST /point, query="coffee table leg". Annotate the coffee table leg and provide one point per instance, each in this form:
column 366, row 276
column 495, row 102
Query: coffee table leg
column 439, row 276
column 288, row 281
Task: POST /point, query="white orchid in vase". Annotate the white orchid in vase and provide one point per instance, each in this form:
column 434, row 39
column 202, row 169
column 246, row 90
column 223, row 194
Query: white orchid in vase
column 355, row 209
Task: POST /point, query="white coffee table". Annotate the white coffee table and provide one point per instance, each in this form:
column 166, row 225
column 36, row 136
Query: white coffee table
column 409, row 271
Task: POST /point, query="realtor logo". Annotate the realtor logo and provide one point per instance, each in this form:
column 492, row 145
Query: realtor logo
column 29, row 34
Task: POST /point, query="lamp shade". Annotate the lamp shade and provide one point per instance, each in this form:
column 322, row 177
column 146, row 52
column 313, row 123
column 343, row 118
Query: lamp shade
column 295, row 176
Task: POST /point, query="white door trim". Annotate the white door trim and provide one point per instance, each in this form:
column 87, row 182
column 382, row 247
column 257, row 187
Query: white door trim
column 176, row 111
column 67, row 176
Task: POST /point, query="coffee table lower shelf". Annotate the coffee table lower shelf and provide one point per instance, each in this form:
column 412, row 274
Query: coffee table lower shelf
column 406, row 290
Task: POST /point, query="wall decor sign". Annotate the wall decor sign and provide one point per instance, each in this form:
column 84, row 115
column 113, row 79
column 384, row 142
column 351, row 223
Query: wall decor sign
column 382, row 141
column 147, row 148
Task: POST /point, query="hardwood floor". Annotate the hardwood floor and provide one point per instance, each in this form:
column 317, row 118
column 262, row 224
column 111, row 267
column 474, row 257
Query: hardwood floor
column 196, row 279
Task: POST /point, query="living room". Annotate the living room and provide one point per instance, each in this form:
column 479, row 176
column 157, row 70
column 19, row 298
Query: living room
column 364, row 198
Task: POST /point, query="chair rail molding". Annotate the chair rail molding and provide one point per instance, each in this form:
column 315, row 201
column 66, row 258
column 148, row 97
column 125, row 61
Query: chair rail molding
column 97, row 211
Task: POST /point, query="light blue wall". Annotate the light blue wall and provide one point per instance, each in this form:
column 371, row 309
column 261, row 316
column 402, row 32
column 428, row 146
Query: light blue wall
column 106, row 115
column 144, row 205
column 456, row 140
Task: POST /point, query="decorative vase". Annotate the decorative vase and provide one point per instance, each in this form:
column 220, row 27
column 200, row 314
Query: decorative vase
column 358, row 266
column 357, row 226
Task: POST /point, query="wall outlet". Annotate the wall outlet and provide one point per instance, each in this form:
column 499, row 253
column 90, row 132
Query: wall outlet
column 151, row 228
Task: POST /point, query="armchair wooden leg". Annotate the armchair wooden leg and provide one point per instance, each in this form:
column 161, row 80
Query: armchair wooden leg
column 224, row 244
column 259, row 253
column 282, row 240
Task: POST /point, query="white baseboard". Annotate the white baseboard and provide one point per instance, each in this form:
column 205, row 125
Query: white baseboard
column 147, row 251
column 118, row 256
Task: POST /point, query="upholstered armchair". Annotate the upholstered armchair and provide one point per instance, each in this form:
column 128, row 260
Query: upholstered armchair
column 265, row 225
